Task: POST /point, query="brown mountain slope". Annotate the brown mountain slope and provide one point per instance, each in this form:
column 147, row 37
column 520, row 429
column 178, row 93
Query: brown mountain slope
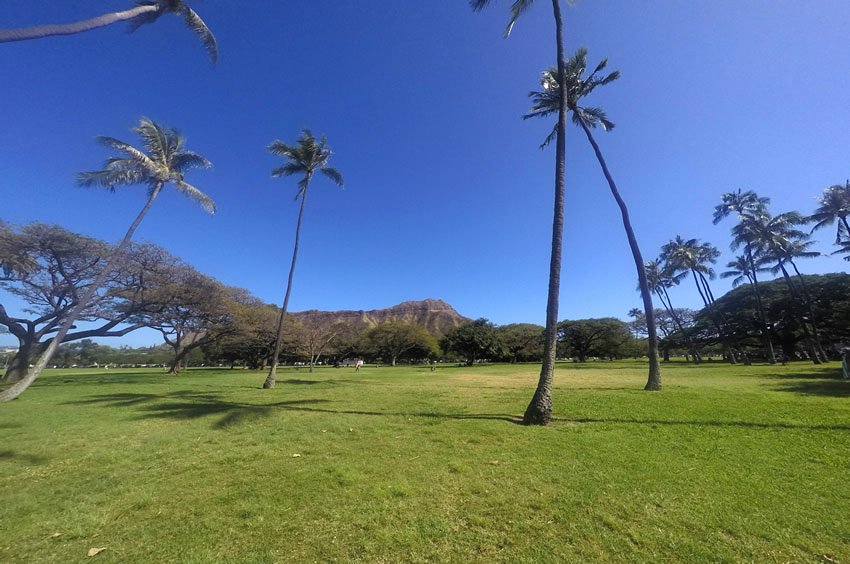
column 436, row 316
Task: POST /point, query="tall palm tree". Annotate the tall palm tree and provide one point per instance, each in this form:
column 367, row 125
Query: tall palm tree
column 164, row 160
column 749, row 207
column 306, row 157
column 144, row 12
column 539, row 410
column 777, row 238
column 690, row 256
column 577, row 87
column 834, row 206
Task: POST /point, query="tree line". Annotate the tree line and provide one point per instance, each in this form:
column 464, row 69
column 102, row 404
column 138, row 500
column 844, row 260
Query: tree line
column 768, row 244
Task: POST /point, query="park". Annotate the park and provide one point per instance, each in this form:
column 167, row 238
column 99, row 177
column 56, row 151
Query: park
column 297, row 283
column 729, row 463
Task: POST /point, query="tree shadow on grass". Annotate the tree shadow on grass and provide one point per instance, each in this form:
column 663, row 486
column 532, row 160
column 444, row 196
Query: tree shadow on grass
column 28, row 458
column 197, row 405
column 742, row 424
column 829, row 388
column 819, row 373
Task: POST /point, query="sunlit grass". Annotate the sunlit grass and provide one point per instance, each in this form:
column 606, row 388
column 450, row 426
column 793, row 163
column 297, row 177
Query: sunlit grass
column 403, row 464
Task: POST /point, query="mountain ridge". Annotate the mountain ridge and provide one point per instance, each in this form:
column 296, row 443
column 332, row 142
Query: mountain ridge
column 435, row 315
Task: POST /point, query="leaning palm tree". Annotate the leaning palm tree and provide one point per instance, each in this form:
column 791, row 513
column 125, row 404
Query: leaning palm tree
column 164, row 161
column 539, row 410
column 834, row 206
column 306, row 158
column 547, row 103
column 750, row 208
column 144, row 12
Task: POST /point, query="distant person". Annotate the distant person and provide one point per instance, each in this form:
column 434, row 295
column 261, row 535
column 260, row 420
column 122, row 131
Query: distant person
column 357, row 365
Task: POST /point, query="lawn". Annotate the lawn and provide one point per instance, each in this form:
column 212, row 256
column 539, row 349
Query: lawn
column 728, row 463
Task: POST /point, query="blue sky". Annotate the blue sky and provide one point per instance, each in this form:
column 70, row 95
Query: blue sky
column 447, row 195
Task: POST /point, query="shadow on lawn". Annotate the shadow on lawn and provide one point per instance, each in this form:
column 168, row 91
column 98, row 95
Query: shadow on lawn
column 28, row 458
column 196, row 405
column 743, row 424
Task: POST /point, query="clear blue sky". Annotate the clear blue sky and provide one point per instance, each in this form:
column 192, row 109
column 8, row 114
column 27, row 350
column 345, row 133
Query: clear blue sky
column 447, row 195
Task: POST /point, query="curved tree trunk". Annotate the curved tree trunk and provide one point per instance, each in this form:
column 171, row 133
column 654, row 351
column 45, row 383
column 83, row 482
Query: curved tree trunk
column 20, row 363
column 539, row 411
column 654, row 380
column 270, row 379
column 40, row 31
column 18, row 388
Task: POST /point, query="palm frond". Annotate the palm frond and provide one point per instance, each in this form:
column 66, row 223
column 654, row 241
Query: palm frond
column 128, row 149
column 197, row 25
column 518, row 8
column 186, row 160
column 146, row 18
column 288, row 169
column 109, row 179
column 200, row 198
column 280, row 149
column 333, row 174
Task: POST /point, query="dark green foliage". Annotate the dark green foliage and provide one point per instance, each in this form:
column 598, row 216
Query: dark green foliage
column 607, row 338
column 831, row 304
column 476, row 340
column 521, row 342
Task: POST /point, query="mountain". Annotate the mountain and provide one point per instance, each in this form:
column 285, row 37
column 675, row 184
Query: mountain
column 436, row 316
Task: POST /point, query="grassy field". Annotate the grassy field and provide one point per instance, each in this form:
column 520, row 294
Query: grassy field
column 728, row 463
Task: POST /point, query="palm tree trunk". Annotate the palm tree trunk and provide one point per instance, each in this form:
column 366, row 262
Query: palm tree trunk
column 539, row 411
column 796, row 297
column 270, row 379
column 807, row 296
column 40, row 31
column 765, row 329
column 654, row 380
column 17, row 389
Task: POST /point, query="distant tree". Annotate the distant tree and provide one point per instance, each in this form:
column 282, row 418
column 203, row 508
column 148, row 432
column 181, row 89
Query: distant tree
column 251, row 343
column 145, row 12
column 476, row 340
column 316, row 339
column 394, row 340
column 578, row 87
column 539, row 410
column 521, row 342
column 305, row 158
column 165, row 162
column 191, row 310
column 607, row 337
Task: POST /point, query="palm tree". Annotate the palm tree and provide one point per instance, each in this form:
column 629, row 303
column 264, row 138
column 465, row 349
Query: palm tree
column 144, row 12
column 778, row 239
column 306, row 157
column 690, row 256
column 834, row 206
column 577, row 87
column 164, row 161
column 659, row 277
column 749, row 207
column 740, row 202
column 539, row 410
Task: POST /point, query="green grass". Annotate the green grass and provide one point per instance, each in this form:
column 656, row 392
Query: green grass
column 728, row 463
